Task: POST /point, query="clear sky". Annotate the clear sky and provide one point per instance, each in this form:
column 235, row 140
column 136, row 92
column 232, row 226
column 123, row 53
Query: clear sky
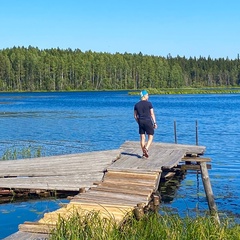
column 190, row 28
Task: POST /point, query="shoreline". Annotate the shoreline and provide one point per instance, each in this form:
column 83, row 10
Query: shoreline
column 152, row 91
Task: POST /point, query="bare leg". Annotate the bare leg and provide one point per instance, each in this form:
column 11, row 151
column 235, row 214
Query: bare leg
column 149, row 142
column 142, row 140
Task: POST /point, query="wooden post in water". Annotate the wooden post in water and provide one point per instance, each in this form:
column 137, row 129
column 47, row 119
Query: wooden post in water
column 156, row 200
column 139, row 211
column 196, row 132
column 175, row 132
column 208, row 190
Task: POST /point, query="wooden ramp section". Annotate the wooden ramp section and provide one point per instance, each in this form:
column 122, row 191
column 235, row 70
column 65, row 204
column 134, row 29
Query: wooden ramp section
column 130, row 181
column 114, row 198
column 63, row 173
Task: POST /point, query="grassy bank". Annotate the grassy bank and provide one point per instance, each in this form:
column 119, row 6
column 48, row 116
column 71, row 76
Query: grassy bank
column 151, row 226
column 26, row 152
column 156, row 91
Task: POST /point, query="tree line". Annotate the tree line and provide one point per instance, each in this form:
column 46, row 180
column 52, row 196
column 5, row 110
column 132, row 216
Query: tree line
column 32, row 69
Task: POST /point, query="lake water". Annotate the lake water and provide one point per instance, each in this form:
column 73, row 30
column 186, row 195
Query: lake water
column 74, row 122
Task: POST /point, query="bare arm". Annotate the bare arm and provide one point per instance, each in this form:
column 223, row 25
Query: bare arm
column 136, row 116
column 153, row 117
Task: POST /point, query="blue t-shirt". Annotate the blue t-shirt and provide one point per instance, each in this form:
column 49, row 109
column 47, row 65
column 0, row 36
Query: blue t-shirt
column 143, row 109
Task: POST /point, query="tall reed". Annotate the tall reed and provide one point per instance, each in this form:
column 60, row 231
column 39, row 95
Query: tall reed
column 26, row 152
column 151, row 227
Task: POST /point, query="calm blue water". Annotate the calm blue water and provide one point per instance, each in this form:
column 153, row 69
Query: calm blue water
column 64, row 123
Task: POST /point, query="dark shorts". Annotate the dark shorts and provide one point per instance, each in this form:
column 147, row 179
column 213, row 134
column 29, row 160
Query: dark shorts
column 145, row 126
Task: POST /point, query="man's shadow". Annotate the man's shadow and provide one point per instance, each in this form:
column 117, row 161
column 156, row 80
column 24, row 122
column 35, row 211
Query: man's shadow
column 131, row 154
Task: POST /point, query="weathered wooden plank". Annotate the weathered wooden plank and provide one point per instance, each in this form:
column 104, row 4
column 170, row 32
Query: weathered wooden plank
column 27, row 236
column 124, row 190
column 81, row 157
column 49, row 184
column 50, row 171
column 107, row 153
column 104, row 200
column 33, row 163
column 63, row 180
column 114, row 196
column 124, row 182
column 130, row 179
column 36, row 227
column 133, row 170
column 114, row 173
column 134, row 175
column 188, row 148
column 122, row 186
column 118, row 194
column 97, row 205
column 173, row 159
column 111, row 198
column 66, row 178
column 115, row 214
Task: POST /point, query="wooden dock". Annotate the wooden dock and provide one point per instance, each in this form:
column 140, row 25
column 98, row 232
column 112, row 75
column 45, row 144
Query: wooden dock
column 115, row 183
column 53, row 176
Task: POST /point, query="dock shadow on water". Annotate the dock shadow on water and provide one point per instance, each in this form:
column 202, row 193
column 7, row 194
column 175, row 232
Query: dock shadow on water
column 169, row 185
column 25, row 195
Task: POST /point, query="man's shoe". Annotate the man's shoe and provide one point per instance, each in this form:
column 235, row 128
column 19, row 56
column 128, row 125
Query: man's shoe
column 145, row 152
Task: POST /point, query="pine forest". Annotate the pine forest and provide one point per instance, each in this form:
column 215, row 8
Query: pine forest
column 32, row 69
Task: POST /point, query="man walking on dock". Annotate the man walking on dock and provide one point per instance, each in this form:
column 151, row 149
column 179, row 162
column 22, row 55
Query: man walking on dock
column 145, row 117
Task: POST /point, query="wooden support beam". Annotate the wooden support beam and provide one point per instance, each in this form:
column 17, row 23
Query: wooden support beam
column 194, row 167
column 196, row 159
column 156, row 200
column 208, row 190
column 157, row 181
column 169, row 175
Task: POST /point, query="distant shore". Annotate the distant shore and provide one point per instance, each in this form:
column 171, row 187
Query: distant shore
column 214, row 90
column 152, row 91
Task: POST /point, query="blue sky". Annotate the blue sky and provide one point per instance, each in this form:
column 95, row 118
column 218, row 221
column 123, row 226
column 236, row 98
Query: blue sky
column 190, row 28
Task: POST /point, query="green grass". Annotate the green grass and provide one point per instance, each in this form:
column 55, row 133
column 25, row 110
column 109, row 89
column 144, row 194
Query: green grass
column 216, row 90
column 151, row 227
column 27, row 152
